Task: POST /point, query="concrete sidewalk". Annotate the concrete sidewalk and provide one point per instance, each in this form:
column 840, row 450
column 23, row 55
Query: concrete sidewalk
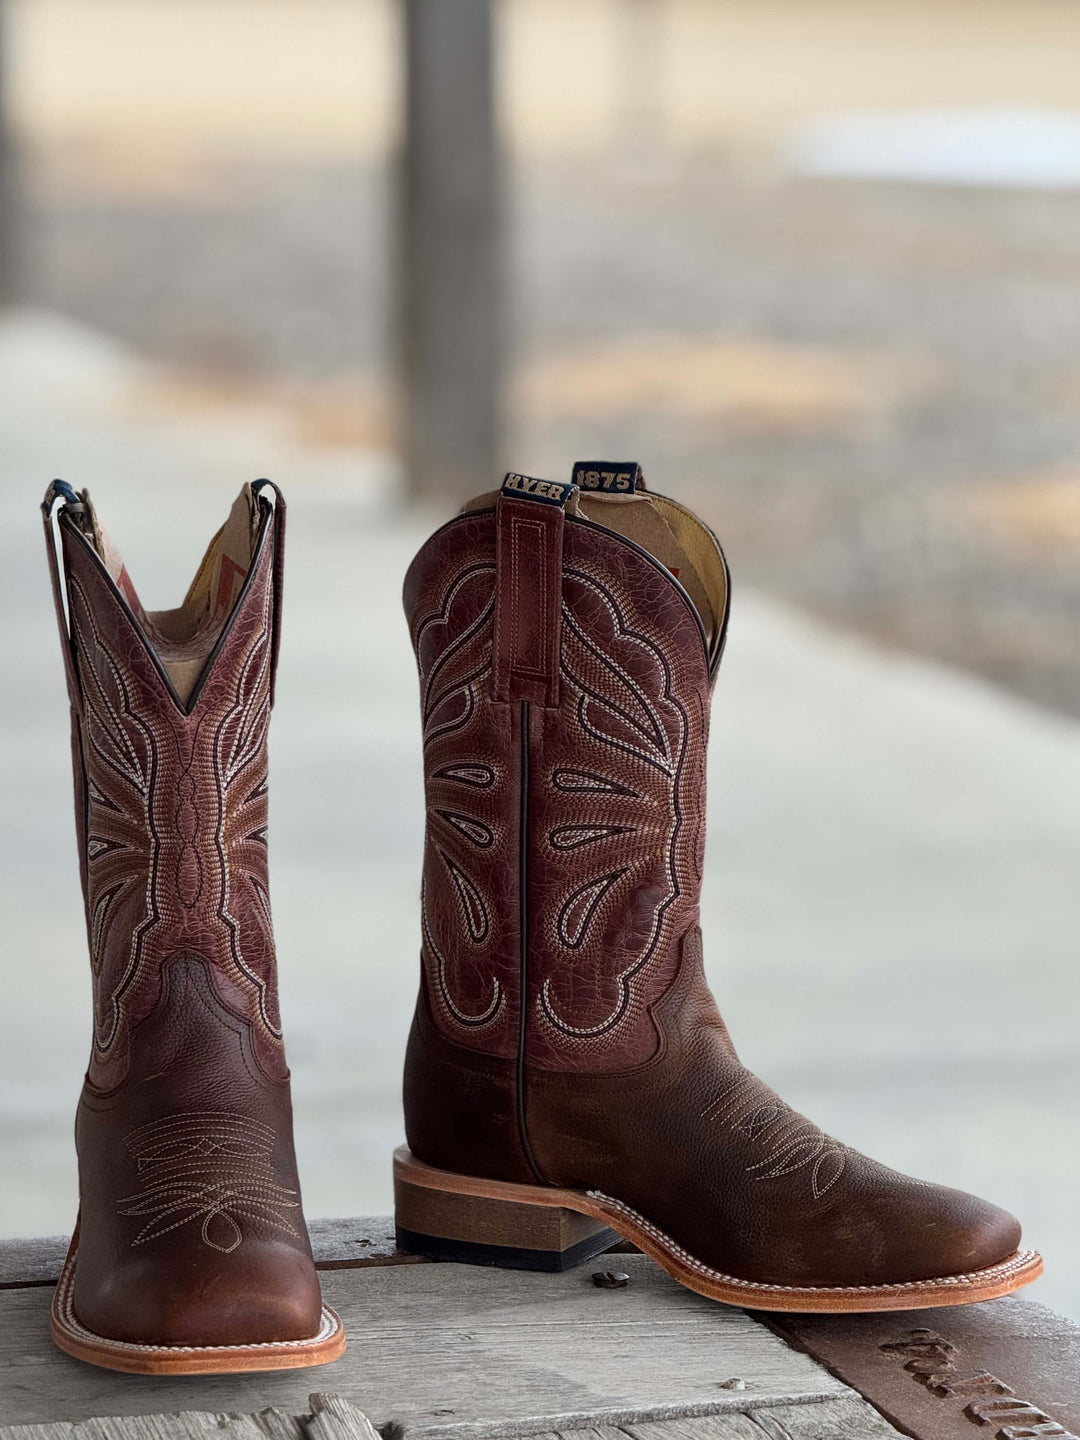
column 891, row 907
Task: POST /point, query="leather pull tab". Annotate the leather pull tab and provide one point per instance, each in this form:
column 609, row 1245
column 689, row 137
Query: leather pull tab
column 529, row 524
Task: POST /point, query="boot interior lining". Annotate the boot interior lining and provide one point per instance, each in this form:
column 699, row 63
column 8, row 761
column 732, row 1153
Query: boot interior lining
column 704, row 554
column 669, row 533
column 675, row 537
column 183, row 638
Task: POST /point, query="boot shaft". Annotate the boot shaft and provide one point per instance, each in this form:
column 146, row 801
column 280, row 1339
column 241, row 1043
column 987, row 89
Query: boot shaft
column 170, row 718
column 565, row 684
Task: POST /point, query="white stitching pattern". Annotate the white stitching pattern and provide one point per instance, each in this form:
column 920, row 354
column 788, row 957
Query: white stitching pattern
column 497, row 996
column 251, row 710
column 458, row 670
column 669, row 760
column 465, row 684
column 573, row 837
column 476, row 831
column 137, row 748
column 106, row 727
column 581, row 905
column 209, row 1167
column 481, row 776
column 796, row 1144
column 473, row 909
column 571, row 781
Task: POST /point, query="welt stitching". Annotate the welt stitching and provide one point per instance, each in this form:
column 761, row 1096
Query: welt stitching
column 329, row 1325
column 1006, row 1267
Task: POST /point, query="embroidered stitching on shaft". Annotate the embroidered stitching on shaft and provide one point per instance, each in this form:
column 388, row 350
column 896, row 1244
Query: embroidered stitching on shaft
column 674, row 773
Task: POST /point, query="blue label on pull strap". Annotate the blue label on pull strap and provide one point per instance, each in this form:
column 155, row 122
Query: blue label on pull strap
column 544, row 492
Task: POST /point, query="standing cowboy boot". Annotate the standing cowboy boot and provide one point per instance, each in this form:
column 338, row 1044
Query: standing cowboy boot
column 191, row 1253
column 568, row 1074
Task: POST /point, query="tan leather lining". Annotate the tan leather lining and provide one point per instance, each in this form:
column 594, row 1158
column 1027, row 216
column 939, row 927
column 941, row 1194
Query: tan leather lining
column 703, row 550
column 641, row 520
column 669, row 533
column 184, row 637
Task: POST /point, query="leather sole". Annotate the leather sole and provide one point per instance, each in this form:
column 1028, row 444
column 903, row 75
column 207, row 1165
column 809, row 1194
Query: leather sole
column 75, row 1339
column 446, row 1215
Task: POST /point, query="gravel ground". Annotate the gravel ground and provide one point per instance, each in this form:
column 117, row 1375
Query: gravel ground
column 872, row 390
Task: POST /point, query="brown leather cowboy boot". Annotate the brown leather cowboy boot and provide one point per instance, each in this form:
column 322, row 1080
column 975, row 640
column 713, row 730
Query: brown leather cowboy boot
column 568, row 1074
column 191, row 1253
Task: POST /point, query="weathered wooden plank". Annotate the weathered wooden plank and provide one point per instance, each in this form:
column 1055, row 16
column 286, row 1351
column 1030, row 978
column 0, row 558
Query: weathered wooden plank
column 941, row 1374
column 368, row 1240
column 334, row 1418
column 844, row 1417
column 32, row 1262
column 187, row 1425
column 276, row 1425
column 733, row 1426
column 457, row 1351
column 583, row 1432
column 589, row 1432
column 340, row 1244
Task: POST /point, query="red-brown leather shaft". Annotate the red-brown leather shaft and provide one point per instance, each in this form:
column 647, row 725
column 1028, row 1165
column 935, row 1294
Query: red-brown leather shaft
column 615, row 796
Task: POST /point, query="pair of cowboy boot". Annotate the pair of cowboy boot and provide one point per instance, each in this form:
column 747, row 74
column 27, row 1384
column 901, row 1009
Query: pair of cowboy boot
column 568, row 1078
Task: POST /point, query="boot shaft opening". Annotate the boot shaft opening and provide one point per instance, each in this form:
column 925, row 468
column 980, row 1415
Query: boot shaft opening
column 667, row 531
column 184, row 638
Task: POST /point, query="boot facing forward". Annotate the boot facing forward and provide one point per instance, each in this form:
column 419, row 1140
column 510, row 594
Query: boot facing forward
column 567, row 638
column 191, row 1252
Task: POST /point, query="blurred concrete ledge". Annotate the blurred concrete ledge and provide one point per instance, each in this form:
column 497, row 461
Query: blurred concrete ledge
column 891, row 906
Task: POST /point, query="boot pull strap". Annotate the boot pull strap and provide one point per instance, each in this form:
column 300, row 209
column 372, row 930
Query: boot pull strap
column 530, row 519
column 278, row 576
column 60, row 493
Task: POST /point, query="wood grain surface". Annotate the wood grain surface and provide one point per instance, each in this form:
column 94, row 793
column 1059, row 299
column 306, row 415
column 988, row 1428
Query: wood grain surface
column 449, row 1350
column 338, row 1244
column 332, row 1417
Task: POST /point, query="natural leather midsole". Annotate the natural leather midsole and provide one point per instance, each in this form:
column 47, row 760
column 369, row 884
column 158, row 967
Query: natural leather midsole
column 76, row 1339
column 1000, row 1279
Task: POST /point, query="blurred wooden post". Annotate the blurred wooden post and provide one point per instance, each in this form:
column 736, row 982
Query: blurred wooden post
column 450, row 262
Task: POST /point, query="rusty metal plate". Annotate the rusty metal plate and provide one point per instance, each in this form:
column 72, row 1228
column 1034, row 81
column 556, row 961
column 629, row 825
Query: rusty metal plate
column 1003, row 1370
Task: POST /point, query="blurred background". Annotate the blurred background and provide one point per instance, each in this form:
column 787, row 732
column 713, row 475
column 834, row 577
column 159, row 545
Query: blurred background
column 815, row 264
